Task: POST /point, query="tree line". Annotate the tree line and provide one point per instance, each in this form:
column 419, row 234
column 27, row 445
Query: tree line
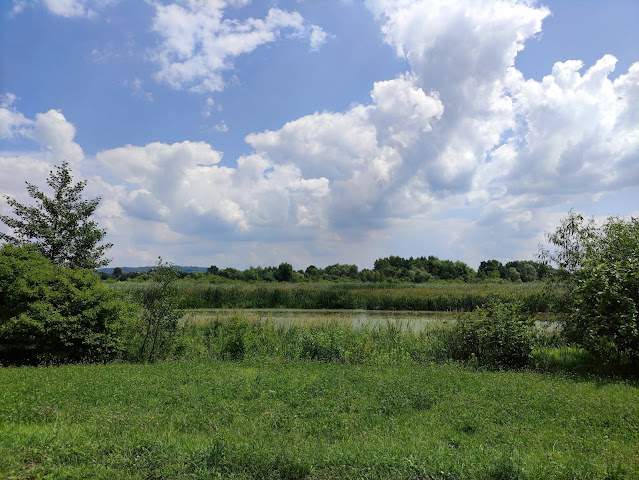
column 388, row 269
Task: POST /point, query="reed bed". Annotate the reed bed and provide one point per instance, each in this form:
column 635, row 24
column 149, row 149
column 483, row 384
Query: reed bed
column 429, row 297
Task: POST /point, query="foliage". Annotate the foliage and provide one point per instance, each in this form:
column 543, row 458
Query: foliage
column 161, row 313
column 499, row 336
column 52, row 314
column 59, row 226
column 604, row 294
column 284, row 272
column 387, row 270
column 434, row 296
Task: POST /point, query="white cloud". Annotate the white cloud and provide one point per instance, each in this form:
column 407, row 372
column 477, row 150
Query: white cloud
column 137, row 89
column 12, row 122
column 318, row 37
column 52, row 131
column 460, row 157
column 221, row 127
column 67, row 8
column 183, row 185
column 199, row 43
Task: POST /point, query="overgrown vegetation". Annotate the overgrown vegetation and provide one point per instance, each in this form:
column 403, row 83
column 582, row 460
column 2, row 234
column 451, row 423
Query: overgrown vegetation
column 441, row 296
column 159, row 321
column 51, row 314
column 602, row 313
column 499, row 336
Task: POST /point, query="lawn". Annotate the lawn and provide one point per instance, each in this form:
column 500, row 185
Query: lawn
column 278, row 418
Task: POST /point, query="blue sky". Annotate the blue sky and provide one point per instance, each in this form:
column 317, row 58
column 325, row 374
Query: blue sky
column 242, row 133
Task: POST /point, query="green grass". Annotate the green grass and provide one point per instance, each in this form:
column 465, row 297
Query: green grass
column 275, row 418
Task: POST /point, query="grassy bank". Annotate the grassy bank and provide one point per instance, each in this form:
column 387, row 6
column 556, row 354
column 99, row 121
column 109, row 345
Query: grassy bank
column 272, row 418
column 427, row 297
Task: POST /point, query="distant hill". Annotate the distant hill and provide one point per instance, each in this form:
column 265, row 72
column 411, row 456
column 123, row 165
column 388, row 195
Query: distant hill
column 146, row 269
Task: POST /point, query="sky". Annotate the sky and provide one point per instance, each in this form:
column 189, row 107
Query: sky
column 241, row 133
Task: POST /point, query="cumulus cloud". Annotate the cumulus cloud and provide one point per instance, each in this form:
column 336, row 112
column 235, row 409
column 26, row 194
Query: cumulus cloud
column 463, row 134
column 53, row 133
column 363, row 152
column 484, row 137
column 184, row 185
column 199, row 43
column 12, row 122
column 54, row 136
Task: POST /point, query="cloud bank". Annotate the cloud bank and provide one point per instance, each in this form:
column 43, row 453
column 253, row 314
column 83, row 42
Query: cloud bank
column 461, row 134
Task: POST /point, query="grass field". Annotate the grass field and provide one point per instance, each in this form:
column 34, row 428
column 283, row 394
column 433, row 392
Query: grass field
column 272, row 418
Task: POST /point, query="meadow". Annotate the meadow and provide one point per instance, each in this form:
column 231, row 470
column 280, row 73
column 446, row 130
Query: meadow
column 278, row 418
column 325, row 394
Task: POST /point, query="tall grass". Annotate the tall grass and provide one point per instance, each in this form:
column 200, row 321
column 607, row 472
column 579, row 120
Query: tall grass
column 283, row 419
column 242, row 335
column 429, row 297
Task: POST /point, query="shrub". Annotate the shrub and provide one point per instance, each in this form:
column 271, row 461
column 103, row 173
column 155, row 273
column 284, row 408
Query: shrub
column 225, row 339
column 52, row 314
column 161, row 314
column 500, row 336
column 325, row 344
column 603, row 302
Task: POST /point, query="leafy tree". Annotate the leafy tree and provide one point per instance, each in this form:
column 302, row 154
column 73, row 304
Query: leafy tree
column 604, row 285
column 501, row 335
column 284, row 272
column 231, row 273
column 312, row 271
column 491, row 269
column 59, row 226
column 512, row 274
column 160, row 301
column 51, row 314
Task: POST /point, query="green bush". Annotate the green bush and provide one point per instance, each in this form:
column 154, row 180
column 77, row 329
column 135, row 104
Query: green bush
column 605, row 318
column 325, row 344
column 52, row 314
column 603, row 295
column 224, row 340
column 498, row 336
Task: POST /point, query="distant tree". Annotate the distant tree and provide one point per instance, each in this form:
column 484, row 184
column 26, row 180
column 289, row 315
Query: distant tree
column 337, row 271
column 118, row 273
column 491, row 269
column 512, row 274
column 251, row 274
column 312, row 271
column 59, row 226
column 212, row 270
column 284, row 272
column 527, row 270
column 231, row 273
